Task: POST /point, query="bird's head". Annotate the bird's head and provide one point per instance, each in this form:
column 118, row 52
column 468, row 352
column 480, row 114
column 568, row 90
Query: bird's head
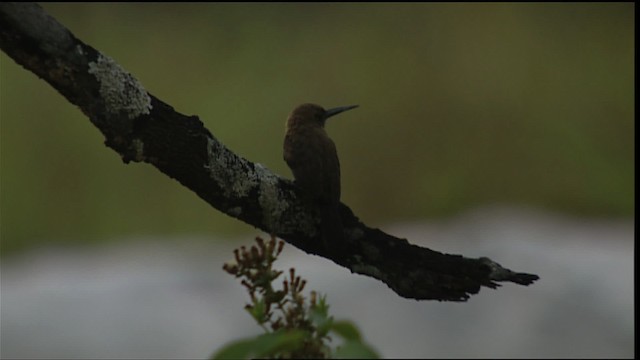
column 312, row 114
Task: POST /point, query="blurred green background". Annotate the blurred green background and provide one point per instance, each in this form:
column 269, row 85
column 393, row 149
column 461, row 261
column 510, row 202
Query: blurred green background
column 461, row 105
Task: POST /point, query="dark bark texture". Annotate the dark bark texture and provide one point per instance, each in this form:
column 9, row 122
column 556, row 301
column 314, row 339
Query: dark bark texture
column 142, row 128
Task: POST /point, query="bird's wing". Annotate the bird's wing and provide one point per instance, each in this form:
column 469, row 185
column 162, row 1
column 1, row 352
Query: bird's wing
column 331, row 172
column 306, row 165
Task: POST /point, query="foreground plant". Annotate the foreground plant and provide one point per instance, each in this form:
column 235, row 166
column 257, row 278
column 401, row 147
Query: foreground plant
column 295, row 327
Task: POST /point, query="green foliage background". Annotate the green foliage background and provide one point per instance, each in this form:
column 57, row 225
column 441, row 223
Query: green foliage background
column 461, row 105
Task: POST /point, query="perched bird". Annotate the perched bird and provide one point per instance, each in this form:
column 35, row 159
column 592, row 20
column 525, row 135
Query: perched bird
column 313, row 160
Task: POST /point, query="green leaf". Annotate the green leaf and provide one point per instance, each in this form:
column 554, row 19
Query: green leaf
column 347, row 330
column 322, row 322
column 257, row 311
column 322, row 304
column 265, row 345
column 275, row 297
column 355, row 350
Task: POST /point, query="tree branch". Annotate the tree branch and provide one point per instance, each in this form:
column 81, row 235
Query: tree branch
column 142, row 128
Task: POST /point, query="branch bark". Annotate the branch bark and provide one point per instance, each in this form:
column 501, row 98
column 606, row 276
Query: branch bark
column 142, row 128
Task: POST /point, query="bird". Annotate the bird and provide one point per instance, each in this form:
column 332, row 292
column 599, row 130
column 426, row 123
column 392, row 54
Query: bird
column 313, row 159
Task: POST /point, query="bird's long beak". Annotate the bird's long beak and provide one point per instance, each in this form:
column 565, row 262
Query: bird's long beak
column 335, row 111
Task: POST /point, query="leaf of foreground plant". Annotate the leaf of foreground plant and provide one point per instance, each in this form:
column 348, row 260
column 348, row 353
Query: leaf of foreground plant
column 261, row 345
column 347, row 330
column 353, row 346
column 355, row 350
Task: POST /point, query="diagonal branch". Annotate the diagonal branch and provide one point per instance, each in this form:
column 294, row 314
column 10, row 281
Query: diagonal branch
column 142, row 128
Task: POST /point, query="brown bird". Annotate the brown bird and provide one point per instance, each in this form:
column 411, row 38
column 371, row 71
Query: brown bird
column 313, row 160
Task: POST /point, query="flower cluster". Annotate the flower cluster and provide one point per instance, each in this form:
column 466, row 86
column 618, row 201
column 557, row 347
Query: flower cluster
column 285, row 309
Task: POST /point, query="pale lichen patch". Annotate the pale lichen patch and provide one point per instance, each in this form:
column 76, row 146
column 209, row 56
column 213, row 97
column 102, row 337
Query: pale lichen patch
column 270, row 200
column 232, row 173
column 497, row 271
column 138, row 150
column 238, row 178
column 245, row 182
column 234, row 211
column 121, row 92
